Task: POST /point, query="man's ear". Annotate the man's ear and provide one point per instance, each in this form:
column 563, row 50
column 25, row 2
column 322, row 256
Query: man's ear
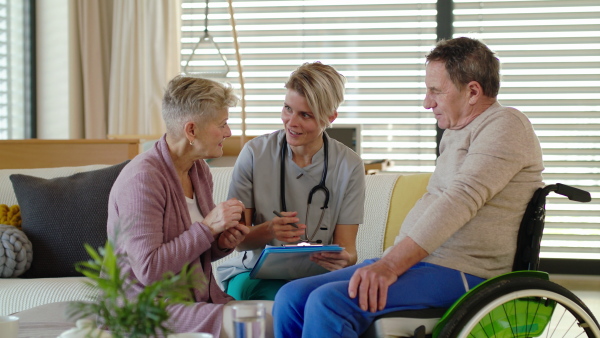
column 474, row 91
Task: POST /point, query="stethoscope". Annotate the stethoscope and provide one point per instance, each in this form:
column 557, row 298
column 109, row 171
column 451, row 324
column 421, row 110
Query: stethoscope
column 321, row 186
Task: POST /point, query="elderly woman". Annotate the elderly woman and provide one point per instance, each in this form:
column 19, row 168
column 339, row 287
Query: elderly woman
column 161, row 212
column 278, row 171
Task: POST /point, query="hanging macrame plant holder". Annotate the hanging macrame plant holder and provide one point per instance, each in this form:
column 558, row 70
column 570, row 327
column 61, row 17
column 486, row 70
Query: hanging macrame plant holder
column 220, row 70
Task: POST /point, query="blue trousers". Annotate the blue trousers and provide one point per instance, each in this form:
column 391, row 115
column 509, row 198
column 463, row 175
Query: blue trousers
column 319, row 306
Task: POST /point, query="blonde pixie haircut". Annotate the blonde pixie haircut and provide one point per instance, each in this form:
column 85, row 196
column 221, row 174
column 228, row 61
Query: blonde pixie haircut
column 194, row 99
column 322, row 87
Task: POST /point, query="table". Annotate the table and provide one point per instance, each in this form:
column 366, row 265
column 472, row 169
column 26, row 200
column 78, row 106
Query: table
column 44, row 321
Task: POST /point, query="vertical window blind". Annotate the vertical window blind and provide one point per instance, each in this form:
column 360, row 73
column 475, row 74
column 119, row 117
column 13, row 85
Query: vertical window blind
column 12, row 87
column 4, row 39
column 550, row 55
column 378, row 45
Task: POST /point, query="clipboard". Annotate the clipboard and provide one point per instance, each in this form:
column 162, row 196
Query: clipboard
column 290, row 262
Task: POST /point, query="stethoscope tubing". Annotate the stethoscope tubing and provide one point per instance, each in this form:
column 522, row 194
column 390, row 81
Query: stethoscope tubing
column 321, row 186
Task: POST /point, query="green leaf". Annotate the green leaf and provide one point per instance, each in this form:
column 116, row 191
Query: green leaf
column 144, row 316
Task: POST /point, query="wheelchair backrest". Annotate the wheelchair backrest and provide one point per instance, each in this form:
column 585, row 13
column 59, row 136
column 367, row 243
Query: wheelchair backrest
column 527, row 256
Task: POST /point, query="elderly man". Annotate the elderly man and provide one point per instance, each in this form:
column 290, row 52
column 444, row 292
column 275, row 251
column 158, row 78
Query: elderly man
column 461, row 232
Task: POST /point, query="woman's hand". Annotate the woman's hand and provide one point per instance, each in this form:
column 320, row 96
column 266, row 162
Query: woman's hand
column 231, row 237
column 332, row 260
column 283, row 231
column 224, row 216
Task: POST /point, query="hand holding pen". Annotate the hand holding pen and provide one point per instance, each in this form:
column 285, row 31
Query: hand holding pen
column 280, row 215
column 285, row 227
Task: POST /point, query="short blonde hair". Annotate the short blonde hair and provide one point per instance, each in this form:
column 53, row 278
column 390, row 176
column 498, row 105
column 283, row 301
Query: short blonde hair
column 322, row 87
column 194, row 99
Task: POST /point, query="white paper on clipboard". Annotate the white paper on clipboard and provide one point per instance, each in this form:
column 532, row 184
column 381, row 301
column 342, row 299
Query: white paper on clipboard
column 290, row 262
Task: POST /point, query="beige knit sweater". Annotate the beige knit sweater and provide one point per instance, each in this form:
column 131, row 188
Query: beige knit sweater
column 486, row 174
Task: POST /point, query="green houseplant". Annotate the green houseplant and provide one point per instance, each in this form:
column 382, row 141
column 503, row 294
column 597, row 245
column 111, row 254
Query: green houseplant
column 144, row 316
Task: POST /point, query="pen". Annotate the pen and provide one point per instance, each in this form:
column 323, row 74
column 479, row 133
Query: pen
column 280, row 215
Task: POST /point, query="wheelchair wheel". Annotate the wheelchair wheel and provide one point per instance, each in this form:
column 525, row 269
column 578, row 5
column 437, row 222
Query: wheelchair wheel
column 522, row 307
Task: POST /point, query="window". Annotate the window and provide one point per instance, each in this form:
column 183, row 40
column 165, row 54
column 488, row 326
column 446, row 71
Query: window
column 12, row 102
column 550, row 54
column 378, row 45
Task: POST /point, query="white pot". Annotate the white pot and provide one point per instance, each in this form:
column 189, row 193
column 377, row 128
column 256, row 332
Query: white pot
column 85, row 328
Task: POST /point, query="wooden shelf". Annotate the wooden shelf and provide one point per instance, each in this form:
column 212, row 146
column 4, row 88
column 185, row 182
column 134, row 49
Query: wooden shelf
column 36, row 153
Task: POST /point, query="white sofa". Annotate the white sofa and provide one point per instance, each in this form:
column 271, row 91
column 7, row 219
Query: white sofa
column 380, row 226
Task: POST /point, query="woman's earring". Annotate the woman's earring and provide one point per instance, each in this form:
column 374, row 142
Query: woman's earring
column 192, row 142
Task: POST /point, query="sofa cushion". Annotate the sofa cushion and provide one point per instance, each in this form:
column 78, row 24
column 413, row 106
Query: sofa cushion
column 407, row 191
column 60, row 214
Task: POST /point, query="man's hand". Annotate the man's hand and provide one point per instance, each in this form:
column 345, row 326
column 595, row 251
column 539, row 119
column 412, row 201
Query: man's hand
column 370, row 284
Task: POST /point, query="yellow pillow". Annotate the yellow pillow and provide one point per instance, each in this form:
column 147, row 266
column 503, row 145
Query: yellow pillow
column 407, row 191
column 10, row 215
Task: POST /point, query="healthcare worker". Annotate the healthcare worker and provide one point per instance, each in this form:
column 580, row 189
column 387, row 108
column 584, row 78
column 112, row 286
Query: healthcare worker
column 306, row 176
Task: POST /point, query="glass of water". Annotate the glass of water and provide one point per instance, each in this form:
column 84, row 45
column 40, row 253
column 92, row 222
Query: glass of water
column 249, row 320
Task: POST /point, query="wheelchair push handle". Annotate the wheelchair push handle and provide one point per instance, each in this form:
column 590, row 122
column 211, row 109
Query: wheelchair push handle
column 572, row 193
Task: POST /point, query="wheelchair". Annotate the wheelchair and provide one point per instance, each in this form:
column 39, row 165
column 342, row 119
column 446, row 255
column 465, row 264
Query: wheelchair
column 521, row 303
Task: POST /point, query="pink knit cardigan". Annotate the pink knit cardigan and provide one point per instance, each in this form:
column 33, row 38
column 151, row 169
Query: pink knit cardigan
column 149, row 219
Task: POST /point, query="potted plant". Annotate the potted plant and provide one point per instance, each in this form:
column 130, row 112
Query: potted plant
column 144, row 316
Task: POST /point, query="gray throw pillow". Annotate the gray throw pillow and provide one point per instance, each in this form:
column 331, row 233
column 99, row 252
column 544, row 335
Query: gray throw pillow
column 15, row 252
column 60, row 214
